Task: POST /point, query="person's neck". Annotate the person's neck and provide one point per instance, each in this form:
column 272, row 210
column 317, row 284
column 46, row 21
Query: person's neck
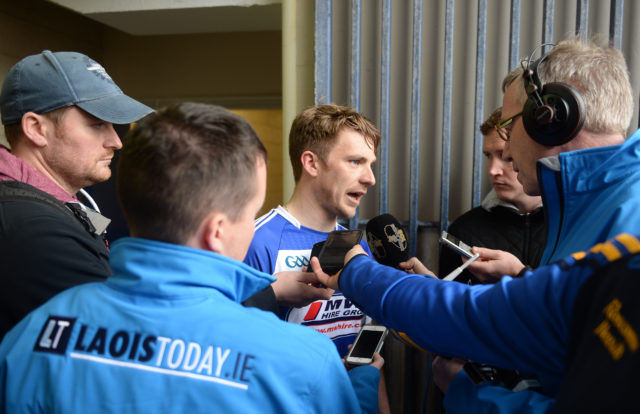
column 587, row 139
column 35, row 160
column 527, row 204
column 309, row 213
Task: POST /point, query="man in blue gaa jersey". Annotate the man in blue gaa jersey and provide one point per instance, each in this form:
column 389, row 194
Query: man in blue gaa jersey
column 332, row 149
column 167, row 332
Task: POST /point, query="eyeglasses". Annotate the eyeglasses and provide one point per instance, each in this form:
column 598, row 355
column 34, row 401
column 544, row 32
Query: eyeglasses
column 504, row 127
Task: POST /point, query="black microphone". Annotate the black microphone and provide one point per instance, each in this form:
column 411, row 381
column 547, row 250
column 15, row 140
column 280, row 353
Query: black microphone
column 387, row 240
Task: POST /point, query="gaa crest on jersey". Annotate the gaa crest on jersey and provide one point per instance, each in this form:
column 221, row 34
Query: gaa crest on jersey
column 290, row 260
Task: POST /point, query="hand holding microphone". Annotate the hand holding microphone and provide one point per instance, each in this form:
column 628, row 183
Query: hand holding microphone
column 389, row 246
column 414, row 265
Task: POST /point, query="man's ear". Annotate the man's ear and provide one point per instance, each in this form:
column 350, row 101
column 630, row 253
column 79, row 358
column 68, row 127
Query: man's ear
column 310, row 161
column 37, row 128
column 212, row 233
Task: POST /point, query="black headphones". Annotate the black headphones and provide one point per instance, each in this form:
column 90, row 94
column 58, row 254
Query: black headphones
column 554, row 112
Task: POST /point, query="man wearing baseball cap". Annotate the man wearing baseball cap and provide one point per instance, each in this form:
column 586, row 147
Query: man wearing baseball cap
column 59, row 110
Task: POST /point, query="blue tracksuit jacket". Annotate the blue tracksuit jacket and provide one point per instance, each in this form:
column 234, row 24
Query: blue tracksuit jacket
column 590, row 196
column 167, row 333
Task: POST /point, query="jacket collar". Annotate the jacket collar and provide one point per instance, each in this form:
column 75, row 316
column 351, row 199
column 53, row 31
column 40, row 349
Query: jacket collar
column 594, row 168
column 180, row 272
column 491, row 201
column 294, row 221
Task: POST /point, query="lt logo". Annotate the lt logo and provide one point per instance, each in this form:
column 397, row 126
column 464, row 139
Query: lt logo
column 55, row 335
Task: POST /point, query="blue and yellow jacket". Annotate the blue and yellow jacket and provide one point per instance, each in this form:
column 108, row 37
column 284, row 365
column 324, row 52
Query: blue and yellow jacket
column 524, row 323
column 590, row 196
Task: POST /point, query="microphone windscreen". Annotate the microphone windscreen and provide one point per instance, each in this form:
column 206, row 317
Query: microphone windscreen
column 387, row 240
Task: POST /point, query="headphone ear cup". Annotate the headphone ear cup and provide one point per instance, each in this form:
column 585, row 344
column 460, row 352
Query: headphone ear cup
column 559, row 119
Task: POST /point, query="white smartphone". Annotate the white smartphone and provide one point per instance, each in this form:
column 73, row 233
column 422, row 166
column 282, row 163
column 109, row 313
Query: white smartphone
column 462, row 249
column 458, row 246
column 368, row 342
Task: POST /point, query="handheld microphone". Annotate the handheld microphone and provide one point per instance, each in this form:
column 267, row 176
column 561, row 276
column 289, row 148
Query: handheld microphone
column 387, row 240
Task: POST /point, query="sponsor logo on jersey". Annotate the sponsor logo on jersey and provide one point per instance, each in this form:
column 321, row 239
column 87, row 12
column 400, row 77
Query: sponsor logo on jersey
column 335, row 317
column 146, row 352
column 328, row 310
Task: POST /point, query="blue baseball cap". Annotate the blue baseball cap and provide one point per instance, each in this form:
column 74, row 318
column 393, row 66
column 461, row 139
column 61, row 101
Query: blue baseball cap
column 50, row 80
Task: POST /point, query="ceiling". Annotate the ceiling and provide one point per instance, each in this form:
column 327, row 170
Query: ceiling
column 170, row 17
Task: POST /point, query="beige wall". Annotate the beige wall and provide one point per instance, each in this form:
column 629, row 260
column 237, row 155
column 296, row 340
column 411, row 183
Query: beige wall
column 238, row 66
column 245, row 67
column 235, row 70
column 268, row 125
column 30, row 26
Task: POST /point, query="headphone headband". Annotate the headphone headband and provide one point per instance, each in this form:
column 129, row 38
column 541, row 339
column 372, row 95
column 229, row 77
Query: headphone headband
column 534, row 86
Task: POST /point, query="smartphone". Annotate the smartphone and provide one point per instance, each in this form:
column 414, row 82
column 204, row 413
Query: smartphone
column 368, row 342
column 331, row 252
column 479, row 373
column 458, row 246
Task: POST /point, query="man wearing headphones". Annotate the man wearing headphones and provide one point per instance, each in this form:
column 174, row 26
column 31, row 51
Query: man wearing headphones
column 564, row 121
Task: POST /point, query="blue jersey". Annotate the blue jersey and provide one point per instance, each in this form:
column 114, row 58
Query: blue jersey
column 282, row 244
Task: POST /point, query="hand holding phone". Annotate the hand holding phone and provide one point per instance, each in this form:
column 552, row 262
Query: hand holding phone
column 331, row 252
column 456, row 245
column 368, row 342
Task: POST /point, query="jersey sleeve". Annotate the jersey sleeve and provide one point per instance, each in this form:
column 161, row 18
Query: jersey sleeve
column 260, row 256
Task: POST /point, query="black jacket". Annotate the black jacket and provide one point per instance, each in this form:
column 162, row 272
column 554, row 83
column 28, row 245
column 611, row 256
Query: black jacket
column 46, row 247
column 43, row 251
column 502, row 228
